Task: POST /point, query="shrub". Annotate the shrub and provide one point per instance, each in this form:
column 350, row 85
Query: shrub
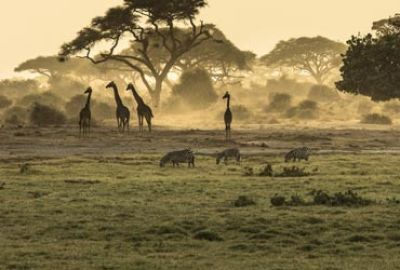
column 243, row 201
column 323, row 93
column 287, row 85
column 46, row 98
column 74, row 105
column 278, row 200
column 267, row 171
column 293, row 171
column 5, row 102
column 43, row 115
column 307, row 109
column 17, row 88
column 207, row 235
column 16, row 115
column 240, row 112
column 376, row 119
column 103, row 110
column 195, row 90
column 348, row 198
column 279, row 102
column 248, row 171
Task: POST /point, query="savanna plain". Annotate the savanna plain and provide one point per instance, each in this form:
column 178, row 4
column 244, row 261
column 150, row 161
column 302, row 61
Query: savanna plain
column 103, row 202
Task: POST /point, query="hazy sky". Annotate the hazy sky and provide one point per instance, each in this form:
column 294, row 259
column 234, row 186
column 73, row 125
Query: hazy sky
column 32, row 28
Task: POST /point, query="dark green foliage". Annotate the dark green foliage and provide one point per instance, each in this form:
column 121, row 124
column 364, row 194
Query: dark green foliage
column 248, row 171
column 279, row 102
column 43, row 115
column 371, row 65
column 376, row 119
column 207, row 235
column 5, row 102
column 293, row 171
column 323, row 93
column 243, row 201
column 24, row 168
column 194, row 90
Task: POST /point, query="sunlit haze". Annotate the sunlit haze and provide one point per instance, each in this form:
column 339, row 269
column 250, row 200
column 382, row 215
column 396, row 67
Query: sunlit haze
column 33, row 28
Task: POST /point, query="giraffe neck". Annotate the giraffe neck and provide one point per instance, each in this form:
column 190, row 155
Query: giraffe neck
column 117, row 97
column 138, row 99
column 88, row 100
column 228, row 102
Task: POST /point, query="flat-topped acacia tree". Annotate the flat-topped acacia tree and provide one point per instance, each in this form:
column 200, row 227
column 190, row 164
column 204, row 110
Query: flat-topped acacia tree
column 149, row 25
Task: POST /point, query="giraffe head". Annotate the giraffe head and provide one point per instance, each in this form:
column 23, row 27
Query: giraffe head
column 111, row 84
column 130, row 87
column 89, row 90
column 227, row 95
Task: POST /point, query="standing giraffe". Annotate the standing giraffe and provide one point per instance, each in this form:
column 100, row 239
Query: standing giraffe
column 227, row 116
column 85, row 115
column 143, row 111
column 123, row 114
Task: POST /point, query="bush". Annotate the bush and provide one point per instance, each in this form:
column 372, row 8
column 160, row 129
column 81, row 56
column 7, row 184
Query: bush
column 348, row 198
column 207, row 235
column 43, row 115
column 267, row 171
column 16, row 115
column 376, row 119
column 243, row 201
column 323, row 93
column 392, row 107
column 286, row 85
column 307, row 109
column 279, row 102
column 194, row 90
column 278, row 200
column 5, row 102
column 46, row 98
column 74, row 105
column 103, row 110
column 240, row 112
column 17, row 88
column 293, row 171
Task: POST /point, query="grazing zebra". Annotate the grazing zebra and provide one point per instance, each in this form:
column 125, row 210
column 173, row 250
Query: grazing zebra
column 177, row 157
column 298, row 154
column 232, row 152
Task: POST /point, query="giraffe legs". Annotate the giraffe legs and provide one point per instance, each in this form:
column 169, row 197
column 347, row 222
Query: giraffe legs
column 227, row 132
column 148, row 120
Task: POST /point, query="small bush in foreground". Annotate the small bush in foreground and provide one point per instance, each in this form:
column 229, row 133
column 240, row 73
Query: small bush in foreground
column 376, row 119
column 208, row 236
column 243, row 201
column 293, row 171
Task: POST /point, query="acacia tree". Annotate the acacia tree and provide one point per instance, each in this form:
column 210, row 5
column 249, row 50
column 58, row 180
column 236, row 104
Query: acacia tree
column 371, row 65
column 317, row 56
column 141, row 20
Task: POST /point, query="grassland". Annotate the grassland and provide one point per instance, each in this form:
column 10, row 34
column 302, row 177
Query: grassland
column 93, row 204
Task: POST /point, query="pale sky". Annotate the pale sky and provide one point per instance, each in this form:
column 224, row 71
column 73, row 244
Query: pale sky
column 32, row 28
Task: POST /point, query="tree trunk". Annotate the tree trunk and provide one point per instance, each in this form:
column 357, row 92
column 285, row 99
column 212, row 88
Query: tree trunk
column 156, row 94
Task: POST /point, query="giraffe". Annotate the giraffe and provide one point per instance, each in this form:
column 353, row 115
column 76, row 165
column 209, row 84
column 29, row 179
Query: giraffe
column 143, row 111
column 227, row 116
column 123, row 114
column 85, row 115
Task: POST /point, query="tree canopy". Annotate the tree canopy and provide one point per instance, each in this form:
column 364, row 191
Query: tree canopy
column 316, row 55
column 371, row 65
column 143, row 22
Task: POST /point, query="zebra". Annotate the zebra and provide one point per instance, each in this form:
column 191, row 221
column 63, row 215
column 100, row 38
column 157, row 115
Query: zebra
column 298, row 154
column 232, row 152
column 177, row 157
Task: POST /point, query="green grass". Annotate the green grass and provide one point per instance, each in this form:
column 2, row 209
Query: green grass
column 127, row 213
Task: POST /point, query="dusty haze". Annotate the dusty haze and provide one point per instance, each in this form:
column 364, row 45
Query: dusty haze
column 33, row 28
